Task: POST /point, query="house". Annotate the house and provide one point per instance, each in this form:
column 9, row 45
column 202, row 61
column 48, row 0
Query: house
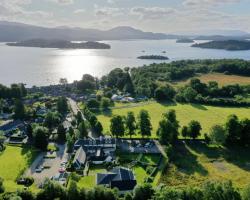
column 6, row 116
column 10, row 126
column 116, row 97
column 80, row 159
column 96, row 151
column 90, row 144
column 119, row 177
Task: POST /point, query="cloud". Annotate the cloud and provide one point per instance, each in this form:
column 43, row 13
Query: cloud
column 153, row 12
column 14, row 10
column 63, row 2
column 79, row 11
column 107, row 11
column 203, row 3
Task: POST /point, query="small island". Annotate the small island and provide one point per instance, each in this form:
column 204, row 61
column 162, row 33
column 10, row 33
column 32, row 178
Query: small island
column 153, row 57
column 59, row 44
column 229, row 45
column 185, row 40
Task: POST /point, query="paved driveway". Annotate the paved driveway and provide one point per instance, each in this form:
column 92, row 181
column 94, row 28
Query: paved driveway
column 61, row 156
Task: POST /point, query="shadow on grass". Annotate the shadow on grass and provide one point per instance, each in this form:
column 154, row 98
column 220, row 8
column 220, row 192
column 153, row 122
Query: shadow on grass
column 198, row 106
column 30, row 154
column 236, row 155
column 186, row 161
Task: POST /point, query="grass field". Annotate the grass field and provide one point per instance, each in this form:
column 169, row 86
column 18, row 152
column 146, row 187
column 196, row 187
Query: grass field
column 89, row 181
column 194, row 163
column 206, row 115
column 13, row 162
column 222, row 79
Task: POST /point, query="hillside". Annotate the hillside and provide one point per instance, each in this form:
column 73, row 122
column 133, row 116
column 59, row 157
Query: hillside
column 230, row 45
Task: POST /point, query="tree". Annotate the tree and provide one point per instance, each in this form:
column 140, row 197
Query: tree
column 88, row 82
column 130, row 123
column 246, row 193
column 218, row 134
column 117, row 128
column 233, row 129
column 143, row 192
column 62, row 105
column 98, row 128
column 29, row 131
column 105, row 103
column 189, row 94
column 79, row 118
column 52, row 190
column 26, row 194
column 19, row 109
column 144, row 123
column 83, row 130
column 61, row 133
column 41, row 137
column 93, row 103
column 194, row 129
column 166, row 92
column 70, row 142
column 73, row 192
column 184, row 131
column 220, row 191
column 51, row 120
column 171, row 117
column 166, row 132
column 245, row 132
column 1, row 186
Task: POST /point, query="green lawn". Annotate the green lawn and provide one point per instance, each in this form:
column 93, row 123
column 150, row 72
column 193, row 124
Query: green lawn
column 206, row 115
column 89, row 181
column 194, row 163
column 140, row 172
column 13, row 162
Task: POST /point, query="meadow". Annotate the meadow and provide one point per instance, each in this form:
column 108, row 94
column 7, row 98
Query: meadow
column 222, row 79
column 206, row 115
column 13, row 162
column 193, row 163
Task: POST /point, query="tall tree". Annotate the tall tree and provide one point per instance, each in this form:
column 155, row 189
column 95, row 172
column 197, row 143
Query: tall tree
column 83, row 130
column 218, row 134
column 131, row 124
column 233, row 129
column 61, row 133
column 144, row 123
column 41, row 137
column 19, row 109
column 184, row 132
column 62, row 105
column 117, row 128
column 165, row 132
column 171, row 117
column 194, row 129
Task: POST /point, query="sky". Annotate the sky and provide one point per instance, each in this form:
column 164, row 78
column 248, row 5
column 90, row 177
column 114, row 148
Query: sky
column 166, row 16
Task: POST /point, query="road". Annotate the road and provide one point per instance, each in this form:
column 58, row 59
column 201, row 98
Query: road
column 75, row 109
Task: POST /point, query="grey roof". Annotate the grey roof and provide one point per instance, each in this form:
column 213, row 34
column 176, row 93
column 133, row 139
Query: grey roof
column 95, row 142
column 116, row 174
column 80, row 157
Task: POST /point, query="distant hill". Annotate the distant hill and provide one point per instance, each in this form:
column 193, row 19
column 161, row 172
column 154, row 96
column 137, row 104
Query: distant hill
column 153, row 57
column 230, row 45
column 12, row 32
column 185, row 40
column 60, row 44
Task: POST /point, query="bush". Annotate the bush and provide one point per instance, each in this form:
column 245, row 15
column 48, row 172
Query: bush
column 1, row 186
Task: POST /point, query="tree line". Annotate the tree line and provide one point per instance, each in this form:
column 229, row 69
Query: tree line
column 210, row 190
